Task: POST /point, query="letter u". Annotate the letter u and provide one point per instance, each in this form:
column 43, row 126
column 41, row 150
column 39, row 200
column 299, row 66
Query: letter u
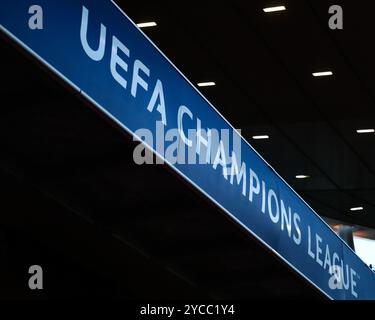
column 97, row 54
column 345, row 283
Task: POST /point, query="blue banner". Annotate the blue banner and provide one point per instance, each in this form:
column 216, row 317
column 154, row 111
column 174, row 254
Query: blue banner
column 95, row 48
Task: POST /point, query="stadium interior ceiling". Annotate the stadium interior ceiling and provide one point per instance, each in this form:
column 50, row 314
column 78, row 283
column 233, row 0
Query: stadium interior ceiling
column 262, row 65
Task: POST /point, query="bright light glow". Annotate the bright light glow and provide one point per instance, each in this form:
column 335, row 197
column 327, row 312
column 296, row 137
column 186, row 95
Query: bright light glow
column 322, row 74
column 146, row 24
column 274, row 9
column 365, row 249
column 365, row 130
column 206, row 84
column 302, row 176
column 261, row 137
column 356, row 209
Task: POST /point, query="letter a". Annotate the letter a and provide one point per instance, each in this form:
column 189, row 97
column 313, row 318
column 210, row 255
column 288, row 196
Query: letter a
column 36, row 280
column 336, row 21
column 36, row 20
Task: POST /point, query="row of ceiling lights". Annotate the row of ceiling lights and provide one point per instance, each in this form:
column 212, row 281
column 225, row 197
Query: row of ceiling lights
column 265, row 136
column 318, row 74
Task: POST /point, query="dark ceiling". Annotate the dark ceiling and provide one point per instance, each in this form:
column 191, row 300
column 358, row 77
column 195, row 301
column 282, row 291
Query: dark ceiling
column 262, row 65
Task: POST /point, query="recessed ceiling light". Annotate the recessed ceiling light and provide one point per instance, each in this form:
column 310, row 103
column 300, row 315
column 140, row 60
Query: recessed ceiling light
column 322, row 74
column 274, row 9
column 260, row 137
column 365, row 130
column 146, row 24
column 206, row 84
column 356, row 209
column 302, row 176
